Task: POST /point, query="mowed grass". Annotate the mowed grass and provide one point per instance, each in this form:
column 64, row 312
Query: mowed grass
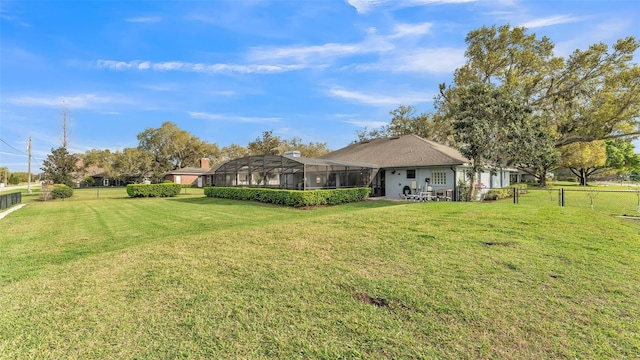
column 611, row 200
column 195, row 277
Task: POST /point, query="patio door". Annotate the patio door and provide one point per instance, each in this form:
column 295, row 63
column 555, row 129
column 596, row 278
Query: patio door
column 378, row 184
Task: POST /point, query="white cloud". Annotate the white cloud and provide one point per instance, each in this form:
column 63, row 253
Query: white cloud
column 370, row 124
column 158, row 87
column 329, row 50
column 144, row 19
column 8, row 16
column 78, row 101
column 443, row 60
column 607, row 30
column 233, row 118
column 549, row 21
column 224, row 93
column 434, row 61
column 408, row 3
column 380, row 99
column 374, row 43
column 364, row 6
column 402, row 30
column 198, row 67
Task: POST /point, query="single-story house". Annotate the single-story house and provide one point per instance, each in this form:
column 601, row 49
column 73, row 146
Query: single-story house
column 190, row 175
column 103, row 179
column 392, row 167
column 410, row 164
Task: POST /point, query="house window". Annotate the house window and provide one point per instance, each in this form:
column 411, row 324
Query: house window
column 411, row 174
column 439, row 177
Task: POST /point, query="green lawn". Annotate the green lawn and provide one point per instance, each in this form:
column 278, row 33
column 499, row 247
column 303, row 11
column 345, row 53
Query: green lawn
column 105, row 276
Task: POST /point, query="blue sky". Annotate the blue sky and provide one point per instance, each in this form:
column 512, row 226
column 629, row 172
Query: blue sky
column 228, row 70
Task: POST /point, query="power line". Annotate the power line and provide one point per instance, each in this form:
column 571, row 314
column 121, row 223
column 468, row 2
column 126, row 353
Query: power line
column 12, row 154
column 9, row 145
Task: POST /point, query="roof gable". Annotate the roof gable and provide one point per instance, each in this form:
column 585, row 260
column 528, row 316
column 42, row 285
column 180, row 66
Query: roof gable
column 400, row 151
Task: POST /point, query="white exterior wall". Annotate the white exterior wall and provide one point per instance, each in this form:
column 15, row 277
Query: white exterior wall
column 484, row 178
column 500, row 180
column 395, row 182
column 506, row 178
column 461, row 175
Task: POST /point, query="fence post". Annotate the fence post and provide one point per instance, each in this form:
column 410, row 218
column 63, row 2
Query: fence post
column 561, row 197
column 515, row 195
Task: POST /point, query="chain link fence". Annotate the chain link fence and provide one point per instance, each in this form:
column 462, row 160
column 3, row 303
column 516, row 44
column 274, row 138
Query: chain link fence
column 617, row 202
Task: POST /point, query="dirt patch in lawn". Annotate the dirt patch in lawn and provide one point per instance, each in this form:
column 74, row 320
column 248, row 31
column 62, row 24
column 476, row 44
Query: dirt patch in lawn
column 499, row 243
column 376, row 301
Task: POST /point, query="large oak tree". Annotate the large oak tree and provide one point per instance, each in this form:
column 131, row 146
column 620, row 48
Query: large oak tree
column 172, row 148
column 594, row 94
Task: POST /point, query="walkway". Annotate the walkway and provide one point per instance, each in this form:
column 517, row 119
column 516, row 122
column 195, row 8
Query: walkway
column 10, row 210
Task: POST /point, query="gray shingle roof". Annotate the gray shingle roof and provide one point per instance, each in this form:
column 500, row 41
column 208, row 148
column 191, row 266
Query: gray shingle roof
column 274, row 160
column 189, row 171
column 401, row 151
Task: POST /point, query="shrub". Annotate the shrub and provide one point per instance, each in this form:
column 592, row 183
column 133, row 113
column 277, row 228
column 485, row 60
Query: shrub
column 89, row 180
column 506, row 192
column 295, row 198
column 465, row 190
column 61, row 191
column 13, row 180
column 153, row 190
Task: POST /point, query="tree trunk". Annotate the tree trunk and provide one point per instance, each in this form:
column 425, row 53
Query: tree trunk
column 543, row 181
column 583, row 177
column 472, row 190
column 581, row 174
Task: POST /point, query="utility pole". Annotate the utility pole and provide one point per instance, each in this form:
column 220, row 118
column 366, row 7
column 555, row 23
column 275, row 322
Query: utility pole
column 64, row 124
column 29, row 167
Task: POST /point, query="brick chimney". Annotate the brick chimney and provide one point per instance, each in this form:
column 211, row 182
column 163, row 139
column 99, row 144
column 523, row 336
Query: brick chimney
column 204, row 163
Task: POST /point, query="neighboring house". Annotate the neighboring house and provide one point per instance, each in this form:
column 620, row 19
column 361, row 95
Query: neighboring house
column 190, row 175
column 410, row 163
column 103, row 179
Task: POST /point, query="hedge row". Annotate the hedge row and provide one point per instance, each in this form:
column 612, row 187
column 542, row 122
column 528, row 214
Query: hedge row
column 295, row 198
column 153, row 190
column 61, row 191
column 506, row 192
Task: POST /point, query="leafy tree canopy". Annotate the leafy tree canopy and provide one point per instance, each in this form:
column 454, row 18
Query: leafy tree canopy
column 584, row 158
column 59, row 167
column 594, row 94
column 490, row 125
column 621, row 155
column 171, row 148
column 269, row 144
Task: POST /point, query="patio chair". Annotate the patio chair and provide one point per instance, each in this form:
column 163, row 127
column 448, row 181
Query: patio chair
column 444, row 195
column 428, row 194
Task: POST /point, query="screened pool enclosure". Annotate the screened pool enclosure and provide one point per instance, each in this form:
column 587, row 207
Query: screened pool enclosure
column 293, row 173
